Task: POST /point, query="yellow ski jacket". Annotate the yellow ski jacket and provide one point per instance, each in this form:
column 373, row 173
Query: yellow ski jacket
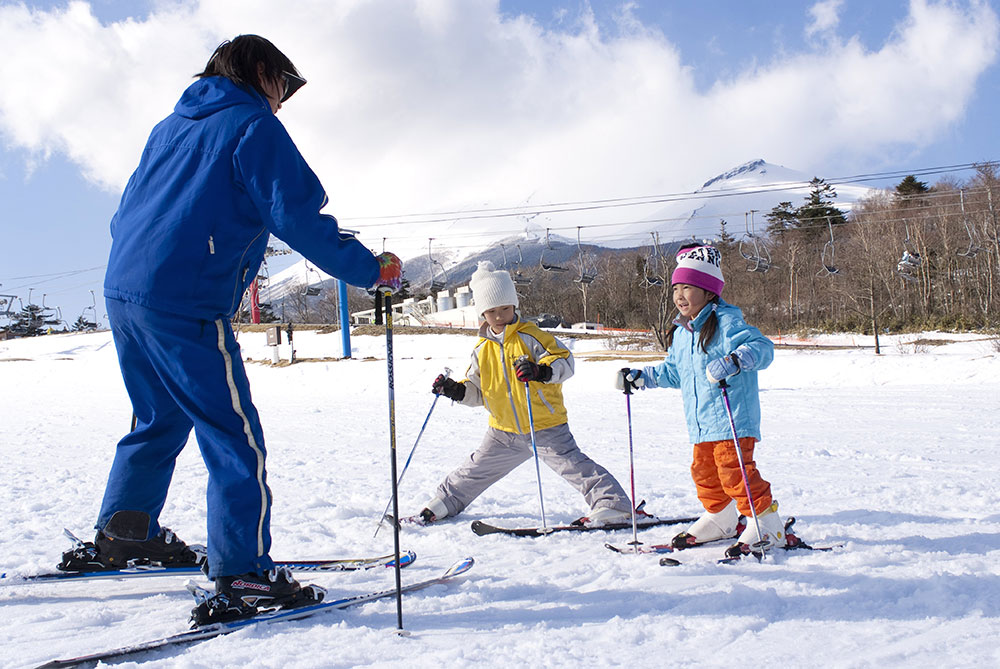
column 492, row 382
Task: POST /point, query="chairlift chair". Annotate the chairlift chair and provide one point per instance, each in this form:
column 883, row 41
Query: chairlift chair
column 588, row 268
column 7, row 304
column 826, row 256
column 439, row 279
column 549, row 266
column 520, row 279
column 754, row 252
column 910, row 261
column 652, row 266
column 974, row 248
column 310, row 290
column 91, row 323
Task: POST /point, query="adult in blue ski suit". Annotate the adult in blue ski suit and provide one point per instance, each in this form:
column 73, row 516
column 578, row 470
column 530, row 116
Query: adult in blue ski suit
column 216, row 178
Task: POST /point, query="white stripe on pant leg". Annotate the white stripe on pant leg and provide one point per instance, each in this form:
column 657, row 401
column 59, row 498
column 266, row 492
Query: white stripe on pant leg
column 235, row 396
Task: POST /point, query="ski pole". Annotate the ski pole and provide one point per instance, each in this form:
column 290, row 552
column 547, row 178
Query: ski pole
column 406, row 465
column 392, row 453
column 743, row 470
column 534, row 448
column 631, row 461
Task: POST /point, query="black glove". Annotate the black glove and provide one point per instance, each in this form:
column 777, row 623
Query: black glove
column 528, row 370
column 453, row 390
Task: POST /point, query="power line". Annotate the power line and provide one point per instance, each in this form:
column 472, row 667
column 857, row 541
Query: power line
column 587, row 205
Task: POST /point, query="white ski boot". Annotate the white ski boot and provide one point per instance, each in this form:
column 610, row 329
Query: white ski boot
column 710, row 527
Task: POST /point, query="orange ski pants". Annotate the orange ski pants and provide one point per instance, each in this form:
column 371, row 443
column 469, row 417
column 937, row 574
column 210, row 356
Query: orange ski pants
column 717, row 478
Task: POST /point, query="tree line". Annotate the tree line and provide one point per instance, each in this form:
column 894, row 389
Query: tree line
column 911, row 258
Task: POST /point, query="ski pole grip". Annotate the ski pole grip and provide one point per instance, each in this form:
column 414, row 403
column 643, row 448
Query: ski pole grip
column 626, row 384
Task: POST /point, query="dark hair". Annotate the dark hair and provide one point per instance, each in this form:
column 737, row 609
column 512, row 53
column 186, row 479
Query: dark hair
column 238, row 59
column 708, row 330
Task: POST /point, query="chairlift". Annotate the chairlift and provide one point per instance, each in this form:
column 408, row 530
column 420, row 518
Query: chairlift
column 439, row 278
column 588, row 266
column 48, row 312
column 826, row 256
column 910, row 260
column 753, row 251
column 652, row 266
column 7, row 304
column 90, row 323
column 311, row 290
column 974, row 248
column 549, row 266
column 520, row 279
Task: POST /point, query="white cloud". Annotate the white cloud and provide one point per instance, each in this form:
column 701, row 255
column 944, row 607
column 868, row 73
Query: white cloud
column 825, row 17
column 422, row 105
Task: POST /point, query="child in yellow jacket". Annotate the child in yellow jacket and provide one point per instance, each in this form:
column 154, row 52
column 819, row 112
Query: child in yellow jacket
column 510, row 353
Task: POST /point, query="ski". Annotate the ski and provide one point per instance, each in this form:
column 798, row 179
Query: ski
column 669, row 548
column 632, row 550
column 796, row 547
column 146, row 571
column 482, row 529
column 274, row 616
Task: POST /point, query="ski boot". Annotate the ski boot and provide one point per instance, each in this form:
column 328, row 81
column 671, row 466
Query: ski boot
column 246, row 595
column 772, row 535
column 122, row 544
column 608, row 516
column 724, row 524
column 433, row 512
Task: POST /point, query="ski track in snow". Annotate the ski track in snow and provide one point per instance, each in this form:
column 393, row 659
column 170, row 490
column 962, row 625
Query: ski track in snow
column 892, row 456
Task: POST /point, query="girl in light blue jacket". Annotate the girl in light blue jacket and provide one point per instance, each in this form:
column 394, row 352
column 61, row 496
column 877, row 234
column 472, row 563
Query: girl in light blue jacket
column 709, row 343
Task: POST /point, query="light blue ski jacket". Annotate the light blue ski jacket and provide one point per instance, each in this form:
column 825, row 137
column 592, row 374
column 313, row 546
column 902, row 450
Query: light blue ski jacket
column 685, row 365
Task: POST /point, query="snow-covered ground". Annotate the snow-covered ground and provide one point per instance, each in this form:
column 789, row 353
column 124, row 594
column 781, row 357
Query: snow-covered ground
column 895, row 457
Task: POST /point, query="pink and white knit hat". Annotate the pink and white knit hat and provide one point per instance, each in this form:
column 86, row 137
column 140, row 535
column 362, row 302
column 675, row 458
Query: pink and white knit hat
column 701, row 267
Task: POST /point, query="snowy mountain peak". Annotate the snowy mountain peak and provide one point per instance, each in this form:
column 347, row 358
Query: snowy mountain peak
column 753, row 167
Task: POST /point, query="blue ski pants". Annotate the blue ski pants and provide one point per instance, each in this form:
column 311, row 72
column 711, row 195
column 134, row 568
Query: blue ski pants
column 183, row 373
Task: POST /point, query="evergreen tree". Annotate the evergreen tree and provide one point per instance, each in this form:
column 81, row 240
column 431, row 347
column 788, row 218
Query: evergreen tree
column 781, row 218
column 82, row 325
column 911, row 186
column 818, row 209
column 32, row 321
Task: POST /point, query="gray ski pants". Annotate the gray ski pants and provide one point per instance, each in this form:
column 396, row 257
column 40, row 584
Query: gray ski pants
column 501, row 452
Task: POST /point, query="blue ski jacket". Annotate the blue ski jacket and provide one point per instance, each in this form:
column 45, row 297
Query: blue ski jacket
column 685, row 365
column 216, row 177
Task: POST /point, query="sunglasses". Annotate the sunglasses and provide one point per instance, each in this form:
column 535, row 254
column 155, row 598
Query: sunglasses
column 293, row 82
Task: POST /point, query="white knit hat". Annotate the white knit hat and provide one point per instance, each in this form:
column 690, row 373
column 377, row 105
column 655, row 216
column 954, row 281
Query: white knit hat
column 492, row 287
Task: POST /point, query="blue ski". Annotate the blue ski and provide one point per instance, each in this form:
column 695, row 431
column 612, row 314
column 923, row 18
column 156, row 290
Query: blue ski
column 146, row 571
column 279, row 615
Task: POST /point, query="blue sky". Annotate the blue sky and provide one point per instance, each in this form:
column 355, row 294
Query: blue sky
column 419, row 107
